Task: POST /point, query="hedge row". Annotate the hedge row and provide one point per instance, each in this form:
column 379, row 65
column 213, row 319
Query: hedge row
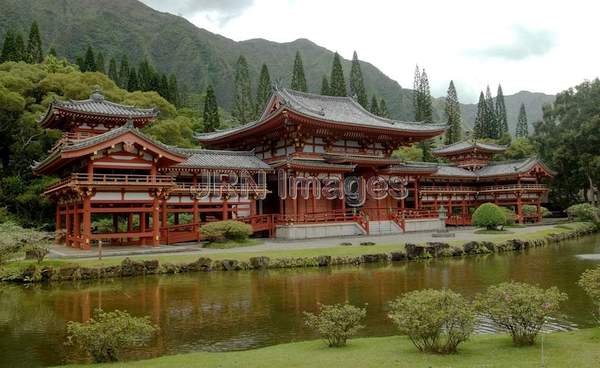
column 37, row 273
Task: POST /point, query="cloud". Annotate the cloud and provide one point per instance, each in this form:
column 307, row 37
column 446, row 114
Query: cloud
column 525, row 43
column 220, row 10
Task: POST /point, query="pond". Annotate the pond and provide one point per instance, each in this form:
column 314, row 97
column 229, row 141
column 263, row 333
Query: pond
column 223, row 311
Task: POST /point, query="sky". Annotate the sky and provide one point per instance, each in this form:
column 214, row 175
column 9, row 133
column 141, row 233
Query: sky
column 539, row 46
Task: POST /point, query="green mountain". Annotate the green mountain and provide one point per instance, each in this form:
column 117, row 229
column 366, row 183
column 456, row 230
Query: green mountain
column 197, row 56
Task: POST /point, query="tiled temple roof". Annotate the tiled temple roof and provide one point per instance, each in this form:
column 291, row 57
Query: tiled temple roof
column 343, row 110
column 493, row 169
column 468, row 146
column 97, row 105
column 219, row 159
column 314, row 164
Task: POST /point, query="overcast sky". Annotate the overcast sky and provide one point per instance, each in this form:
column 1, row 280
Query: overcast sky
column 542, row 46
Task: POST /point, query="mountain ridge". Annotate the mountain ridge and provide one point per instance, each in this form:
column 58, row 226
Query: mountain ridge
column 199, row 57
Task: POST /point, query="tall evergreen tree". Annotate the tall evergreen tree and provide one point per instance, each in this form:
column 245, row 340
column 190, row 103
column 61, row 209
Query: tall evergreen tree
column 132, row 81
column 501, row 112
column 490, row 121
column 522, row 128
column 89, row 61
column 383, row 110
column 173, row 90
column 416, row 96
column 163, row 87
column 479, row 128
column 80, row 63
column 374, row 106
column 454, row 132
column 243, row 107
column 425, row 104
column 298, row 78
column 52, row 52
column 20, row 51
column 145, row 76
column 100, row 64
column 34, row 45
column 112, row 70
column 337, row 83
column 211, row 111
column 325, row 86
column 8, row 47
column 263, row 90
column 123, row 72
column 357, row 84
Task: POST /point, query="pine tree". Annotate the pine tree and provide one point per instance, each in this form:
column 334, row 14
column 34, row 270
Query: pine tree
column 89, row 61
column 132, row 81
column 80, row 63
column 416, row 95
column 211, row 111
column 173, row 90
column 325, row 86
column 337, row 84
column 34, row 45
column 454, row 133
column 243, row 107
column 100, row 64
column 20, row 51
column 8, row 47
column 123, row 72
column 383, row 110
column 298, row 78
column 501, row 112
column 479, row 129
column 263, row 90
column 145, row 76
column 425, row 107
column 490, row 121
column 163, row 87
column 522, row 127
column 357, row 84
column 112, row 70
column 52, row 52
column 374, row 106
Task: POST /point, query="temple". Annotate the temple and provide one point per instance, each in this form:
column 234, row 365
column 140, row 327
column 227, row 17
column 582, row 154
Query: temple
column 310, row 166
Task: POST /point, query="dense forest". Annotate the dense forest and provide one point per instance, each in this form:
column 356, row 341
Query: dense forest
column 31, row 76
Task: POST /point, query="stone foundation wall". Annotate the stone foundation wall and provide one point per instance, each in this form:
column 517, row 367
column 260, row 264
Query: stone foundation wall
column 311, row 231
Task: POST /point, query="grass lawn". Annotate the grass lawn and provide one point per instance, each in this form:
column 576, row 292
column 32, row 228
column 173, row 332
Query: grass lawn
column 493, row 232
column 233, row 244
column 563, row 349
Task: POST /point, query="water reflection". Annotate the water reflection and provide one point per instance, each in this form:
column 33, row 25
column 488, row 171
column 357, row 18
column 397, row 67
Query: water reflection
column 241, row 310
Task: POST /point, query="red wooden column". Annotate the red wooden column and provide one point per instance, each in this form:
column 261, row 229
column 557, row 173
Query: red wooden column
column 87, row 222
column 143, row 227
column 77, row 226
column 417, row 201
column 155, row 221
column 67, row 225
column 195, row 209
column 225, row 209
column 58, row 225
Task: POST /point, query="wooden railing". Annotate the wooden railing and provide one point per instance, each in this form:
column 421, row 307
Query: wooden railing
column 111, row 179
column 438, row 189
column 260, row 223
column 205, row 188
column 458, row 220
column 511, row 187
column 180, row 233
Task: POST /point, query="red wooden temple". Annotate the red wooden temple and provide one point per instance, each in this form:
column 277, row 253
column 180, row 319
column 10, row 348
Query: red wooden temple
column 151, row 193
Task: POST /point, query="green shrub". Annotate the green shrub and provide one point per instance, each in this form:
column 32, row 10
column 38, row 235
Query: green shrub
column 520, row 309
column 584, row 212
column 434, row 320
column 530, row 209
column 489, row 215
column 15, row 240
column 107, row 334
column 510, row 216
column 37, row 251
column 226, row 230
column 336, row 323
column 590, row 282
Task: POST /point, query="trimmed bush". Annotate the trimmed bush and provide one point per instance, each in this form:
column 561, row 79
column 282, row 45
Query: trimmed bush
column 435, row 321
column 520, row 309
column 226, row 230
column 590, row 282
column 489, row 215
column 584, row 212
column 336, row 323
column 107, row 334
column 510, row 215
column 530, row 209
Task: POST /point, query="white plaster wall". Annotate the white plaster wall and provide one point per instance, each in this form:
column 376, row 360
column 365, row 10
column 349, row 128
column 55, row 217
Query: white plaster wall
column 317, row 230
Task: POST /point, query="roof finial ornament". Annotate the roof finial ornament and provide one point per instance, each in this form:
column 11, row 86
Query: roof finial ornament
column 355, row 97
column 97, row 94
column 129, row 124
